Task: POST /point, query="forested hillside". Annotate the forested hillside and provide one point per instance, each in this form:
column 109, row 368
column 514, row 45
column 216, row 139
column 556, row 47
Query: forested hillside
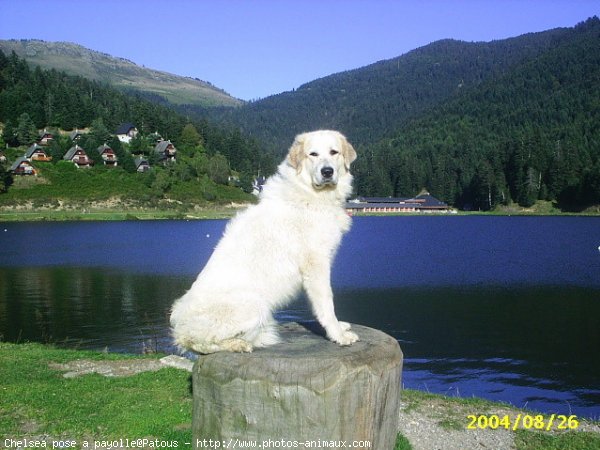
column 117, row 72
column 31, row 100
column 369, row 103
column 478, row 124
column 531, row 133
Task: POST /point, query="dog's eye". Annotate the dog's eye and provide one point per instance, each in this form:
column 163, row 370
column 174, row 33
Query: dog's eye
column 333, row 152
column 314, row 154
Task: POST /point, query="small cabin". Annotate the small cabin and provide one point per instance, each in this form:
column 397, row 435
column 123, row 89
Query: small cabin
column 108, row 155
column 45, row 137
column 22, row 166
column 141, row 164
column 126, row 132
column 78, row 156
column 75, row 135
column 37, row 153
column 165, row 151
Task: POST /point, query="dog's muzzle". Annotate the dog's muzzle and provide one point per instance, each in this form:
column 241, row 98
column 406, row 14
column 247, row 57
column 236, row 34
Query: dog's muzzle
column 327, row 177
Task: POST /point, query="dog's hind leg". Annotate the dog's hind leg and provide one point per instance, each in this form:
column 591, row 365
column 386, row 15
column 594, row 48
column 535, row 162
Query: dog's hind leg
column 228, row 345
column 267, row 335
column 243, row 332
column 236, row 345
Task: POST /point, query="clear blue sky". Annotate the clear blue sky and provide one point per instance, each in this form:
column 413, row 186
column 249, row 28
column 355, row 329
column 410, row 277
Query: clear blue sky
column 256, row 48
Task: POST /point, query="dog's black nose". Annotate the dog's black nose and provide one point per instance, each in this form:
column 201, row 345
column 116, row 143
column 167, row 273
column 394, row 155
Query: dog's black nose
column 327, row 172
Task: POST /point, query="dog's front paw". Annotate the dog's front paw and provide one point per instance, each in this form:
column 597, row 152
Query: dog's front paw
column 347, row 338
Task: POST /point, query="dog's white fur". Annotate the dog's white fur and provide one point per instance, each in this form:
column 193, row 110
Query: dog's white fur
column 270, row 251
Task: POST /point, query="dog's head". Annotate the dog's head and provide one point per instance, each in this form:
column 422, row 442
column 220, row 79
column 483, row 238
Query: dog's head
column 323, row 156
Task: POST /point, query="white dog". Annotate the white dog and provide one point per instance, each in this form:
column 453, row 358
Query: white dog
column 268, row 252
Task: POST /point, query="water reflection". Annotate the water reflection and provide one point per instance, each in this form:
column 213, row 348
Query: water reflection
column 527, row 346
column 88, row 307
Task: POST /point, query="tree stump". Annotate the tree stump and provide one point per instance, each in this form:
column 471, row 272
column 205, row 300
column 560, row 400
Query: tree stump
column 305, row 389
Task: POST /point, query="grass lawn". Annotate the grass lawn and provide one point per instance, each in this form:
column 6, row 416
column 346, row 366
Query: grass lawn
column 38, row 402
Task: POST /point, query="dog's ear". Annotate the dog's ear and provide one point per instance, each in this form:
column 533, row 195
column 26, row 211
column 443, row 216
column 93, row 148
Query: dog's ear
column 348, row 153
column 296, row 153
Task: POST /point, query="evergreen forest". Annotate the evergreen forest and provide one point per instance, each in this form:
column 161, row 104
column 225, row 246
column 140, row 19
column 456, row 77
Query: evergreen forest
column 208, row 155
column 530, row 134
column 477, row 124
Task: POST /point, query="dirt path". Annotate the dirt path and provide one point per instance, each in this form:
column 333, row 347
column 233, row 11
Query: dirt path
column 440, row 423
column 120, row 368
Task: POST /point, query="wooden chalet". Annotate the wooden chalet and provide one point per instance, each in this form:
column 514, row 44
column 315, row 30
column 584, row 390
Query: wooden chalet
column 75, row 135
column 126, row 132
column 165, row 151
column 422, row 203
column 37, row 153
column 45, row 137
column 108, row 155
column 141, row 164
column 22, row 166
column 78, row 156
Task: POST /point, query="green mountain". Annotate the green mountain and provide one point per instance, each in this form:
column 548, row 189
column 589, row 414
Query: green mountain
column 118, row 72
column 372, row 102
column 530, row 133
column 477, row 124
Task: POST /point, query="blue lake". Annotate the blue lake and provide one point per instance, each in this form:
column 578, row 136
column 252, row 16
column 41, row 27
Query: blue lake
column 505, row 308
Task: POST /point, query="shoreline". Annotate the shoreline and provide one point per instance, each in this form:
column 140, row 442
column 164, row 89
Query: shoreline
column 215, row 213
column 118, row 214
column 120, row 210
column 107, row 216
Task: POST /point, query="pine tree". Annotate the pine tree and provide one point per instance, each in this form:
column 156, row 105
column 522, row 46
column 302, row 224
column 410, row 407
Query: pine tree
column 218, row 169
column 190, row 140
column 5, row 178
column 27, row 133
column 9, row 134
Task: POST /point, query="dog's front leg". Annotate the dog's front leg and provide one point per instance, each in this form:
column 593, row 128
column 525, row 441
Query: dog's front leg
column 316, row 278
